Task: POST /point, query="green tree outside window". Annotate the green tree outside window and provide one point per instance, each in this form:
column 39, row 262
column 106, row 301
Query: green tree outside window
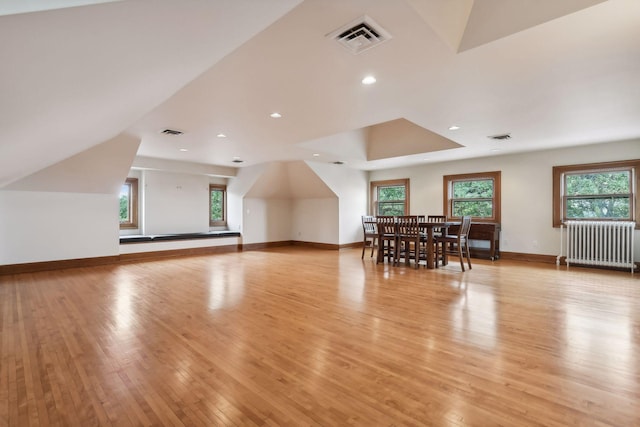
column 473, row 197
column 217, row 205
column 598, row 195
column 391, row 200
column 125, row 198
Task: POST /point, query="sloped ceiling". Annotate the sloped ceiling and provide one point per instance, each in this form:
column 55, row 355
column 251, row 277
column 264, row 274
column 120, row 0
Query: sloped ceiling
column 73, row 78
column 533, row 84
column 400, row 137
column 99, row 169
column 552, row 73
column 465, row 24
column 289, row 180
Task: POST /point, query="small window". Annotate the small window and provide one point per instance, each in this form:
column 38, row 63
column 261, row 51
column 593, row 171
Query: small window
column 217, row 205
column 599, row 191
column 129, row 204
column 390, row 197
column 476, row 195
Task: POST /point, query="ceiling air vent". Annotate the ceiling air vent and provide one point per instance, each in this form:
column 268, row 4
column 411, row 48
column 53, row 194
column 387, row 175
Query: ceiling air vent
column 172, row 132
column 500, row 137
column 360, row 35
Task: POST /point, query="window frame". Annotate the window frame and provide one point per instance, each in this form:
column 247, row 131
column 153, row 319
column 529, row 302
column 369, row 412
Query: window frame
column 447, row 191
column 559, row 198
column 373, row 206
column 223, row 222
column 132, row 183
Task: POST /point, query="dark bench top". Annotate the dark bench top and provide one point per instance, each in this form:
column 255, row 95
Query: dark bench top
column 138, row 238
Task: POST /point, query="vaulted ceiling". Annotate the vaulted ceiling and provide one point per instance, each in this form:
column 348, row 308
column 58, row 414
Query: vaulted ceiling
column 80, row 73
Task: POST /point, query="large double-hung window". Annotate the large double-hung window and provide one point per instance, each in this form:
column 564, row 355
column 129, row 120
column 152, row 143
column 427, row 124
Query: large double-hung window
column 598, row 191
column 473, row 194
column 390, row 197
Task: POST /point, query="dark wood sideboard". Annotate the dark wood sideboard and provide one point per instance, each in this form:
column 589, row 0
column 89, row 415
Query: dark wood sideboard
column 482, row 231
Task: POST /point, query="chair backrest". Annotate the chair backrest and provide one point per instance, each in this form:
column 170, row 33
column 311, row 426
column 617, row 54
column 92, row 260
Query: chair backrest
column 369, row 224
column 436, row 218
column 465, row 226
column 386, row 224
column 408, row 225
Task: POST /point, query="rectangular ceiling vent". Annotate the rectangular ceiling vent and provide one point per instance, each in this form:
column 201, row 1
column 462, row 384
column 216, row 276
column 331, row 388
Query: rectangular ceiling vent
column 360, row 35
column 172, row 132
column 500, row 137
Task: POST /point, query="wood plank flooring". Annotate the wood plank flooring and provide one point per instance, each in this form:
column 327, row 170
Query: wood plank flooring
column 295, row 336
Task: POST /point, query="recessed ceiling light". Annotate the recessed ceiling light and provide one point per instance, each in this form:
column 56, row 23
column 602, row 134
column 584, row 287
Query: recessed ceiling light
column 368, row 80
column 275, row 115
column 495, row 150
column 316, row 155
column 454, row 127
column 183, row 149
column 221, row 135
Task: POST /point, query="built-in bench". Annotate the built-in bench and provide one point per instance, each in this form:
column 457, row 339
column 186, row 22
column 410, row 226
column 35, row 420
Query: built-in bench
column 140, row 238
column 138, row 247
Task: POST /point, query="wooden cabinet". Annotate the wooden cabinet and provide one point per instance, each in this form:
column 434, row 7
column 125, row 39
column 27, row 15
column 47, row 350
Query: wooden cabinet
column 482, row 232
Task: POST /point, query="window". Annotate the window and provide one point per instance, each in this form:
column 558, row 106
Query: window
column 390, row 197
column 602, row 191
column 217, row 205
column 473, row 194
column 129, row 203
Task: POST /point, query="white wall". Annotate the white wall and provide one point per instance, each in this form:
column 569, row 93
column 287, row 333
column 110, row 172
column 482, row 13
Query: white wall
column 315, row 220
column 46, row 226
column 526, row 189
column 266, row 220
column 351, row 187
column 174, row 203
column 236, row 189
column 283, row 201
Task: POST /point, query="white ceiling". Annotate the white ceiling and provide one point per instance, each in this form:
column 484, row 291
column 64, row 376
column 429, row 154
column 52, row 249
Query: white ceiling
column 550, row 73
column 11, row 7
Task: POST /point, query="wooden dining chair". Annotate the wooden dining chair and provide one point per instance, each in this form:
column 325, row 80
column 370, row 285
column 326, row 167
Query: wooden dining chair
column 437, row 231
column 455, row 244
column 386, row 238
column 408, row 240
column 370, row 231
column 437, row 218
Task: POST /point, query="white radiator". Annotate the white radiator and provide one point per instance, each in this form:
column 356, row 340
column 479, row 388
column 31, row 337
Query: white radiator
column 601, row 243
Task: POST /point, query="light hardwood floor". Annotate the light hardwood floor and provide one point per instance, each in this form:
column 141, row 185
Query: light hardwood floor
column 297, row 336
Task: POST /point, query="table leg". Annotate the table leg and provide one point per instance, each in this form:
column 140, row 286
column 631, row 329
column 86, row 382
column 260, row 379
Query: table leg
column 430, row 255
